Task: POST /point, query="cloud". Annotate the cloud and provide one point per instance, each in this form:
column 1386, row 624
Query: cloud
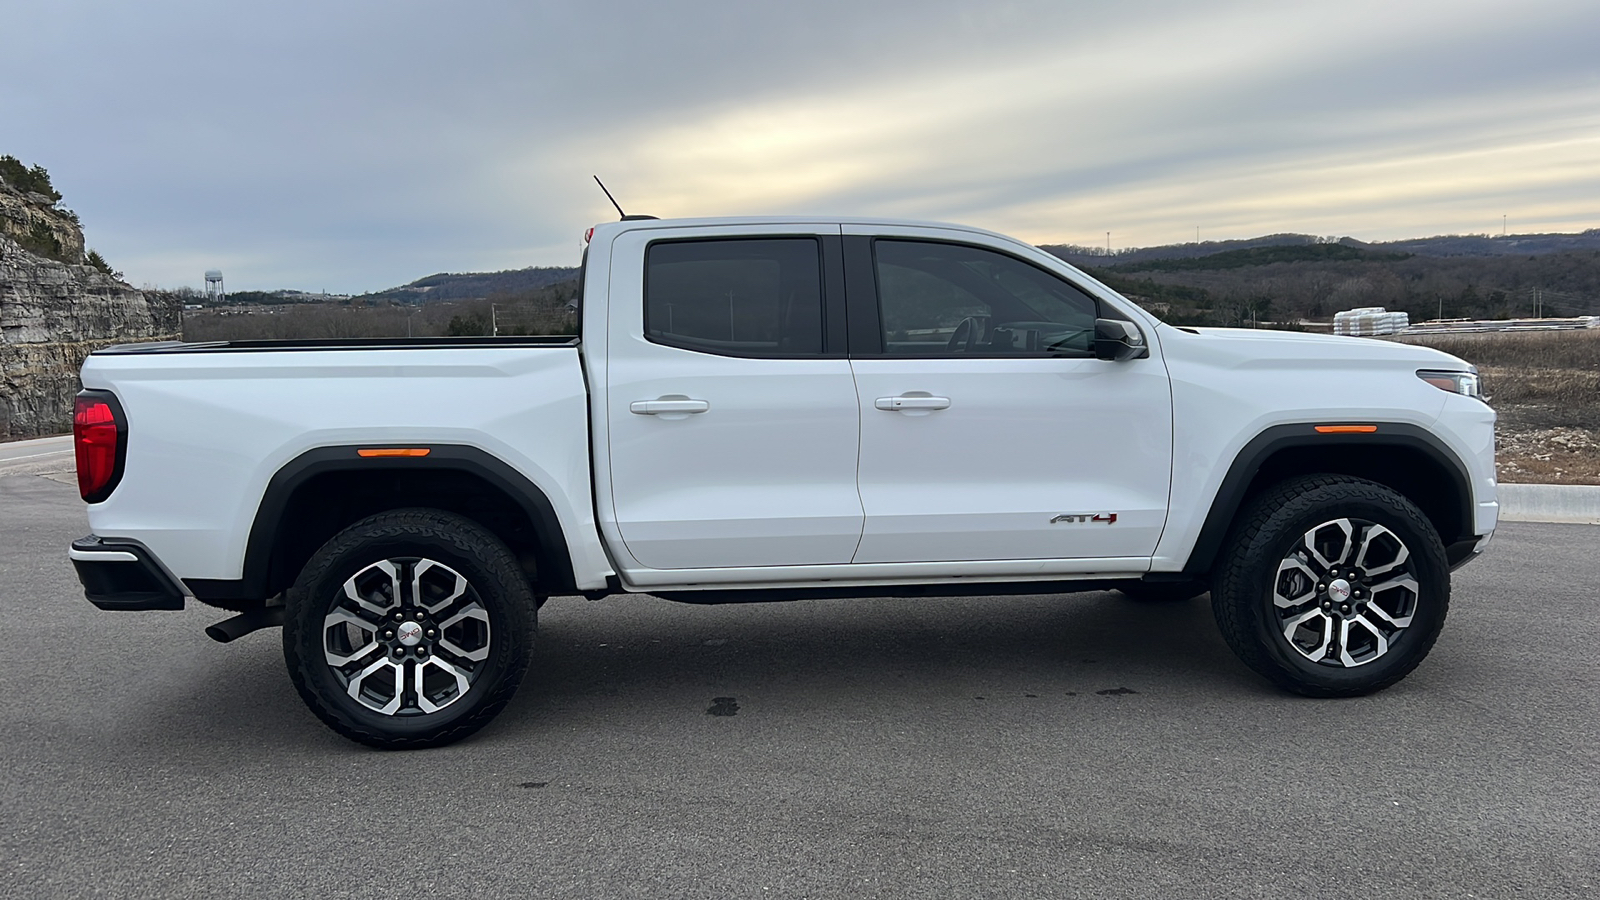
column 355, row 146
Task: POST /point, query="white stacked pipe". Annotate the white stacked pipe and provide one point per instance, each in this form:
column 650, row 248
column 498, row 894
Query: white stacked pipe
column 1370, row 320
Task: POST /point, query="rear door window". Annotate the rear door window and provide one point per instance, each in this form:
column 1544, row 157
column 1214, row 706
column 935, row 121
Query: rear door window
column 749, row 297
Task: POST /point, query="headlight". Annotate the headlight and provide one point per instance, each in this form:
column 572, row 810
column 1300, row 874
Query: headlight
column 1464, row 383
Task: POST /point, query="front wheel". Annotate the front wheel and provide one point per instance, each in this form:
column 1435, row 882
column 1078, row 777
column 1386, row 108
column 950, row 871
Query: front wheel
column 1333, row 586
column 410, row 628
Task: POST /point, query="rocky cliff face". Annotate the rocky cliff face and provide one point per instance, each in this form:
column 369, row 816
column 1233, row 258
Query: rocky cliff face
column 34, row 221
column 53, row 314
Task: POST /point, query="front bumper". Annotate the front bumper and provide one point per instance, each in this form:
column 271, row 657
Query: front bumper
column 1462, row 552
column 118, row 573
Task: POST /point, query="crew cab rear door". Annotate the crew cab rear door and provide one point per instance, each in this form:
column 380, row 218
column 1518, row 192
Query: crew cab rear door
column 988, row 429
column 730, row 404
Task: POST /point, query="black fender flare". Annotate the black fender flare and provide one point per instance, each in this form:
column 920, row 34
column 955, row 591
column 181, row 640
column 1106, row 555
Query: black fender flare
column 1254, row 455
column 256, row 581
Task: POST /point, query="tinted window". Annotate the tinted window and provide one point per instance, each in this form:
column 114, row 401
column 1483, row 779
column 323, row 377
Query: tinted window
column 735, row 297
column 952, row 299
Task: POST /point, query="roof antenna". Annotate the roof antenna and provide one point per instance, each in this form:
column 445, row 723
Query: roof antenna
column 609, row 197
column 625, row 216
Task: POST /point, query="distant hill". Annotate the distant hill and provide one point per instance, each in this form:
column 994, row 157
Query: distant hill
column 1261, row 256
column 1295, row 278
column 1097, row 256
column 1449, row 245
column 475, row 285
column 1485, row 245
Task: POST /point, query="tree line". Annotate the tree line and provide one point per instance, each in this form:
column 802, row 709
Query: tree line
column 1235, row 292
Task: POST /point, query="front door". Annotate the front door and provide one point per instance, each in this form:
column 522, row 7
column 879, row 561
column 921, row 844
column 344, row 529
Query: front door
column 732, row 423
column 988, row 429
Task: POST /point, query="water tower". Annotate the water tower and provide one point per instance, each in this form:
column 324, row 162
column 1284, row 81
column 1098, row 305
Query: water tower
column 214, row 291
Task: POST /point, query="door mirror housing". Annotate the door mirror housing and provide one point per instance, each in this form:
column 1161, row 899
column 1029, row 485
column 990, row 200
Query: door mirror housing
column 1116, row 340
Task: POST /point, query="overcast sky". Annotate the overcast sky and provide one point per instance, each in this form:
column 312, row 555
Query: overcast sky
column 353, row 146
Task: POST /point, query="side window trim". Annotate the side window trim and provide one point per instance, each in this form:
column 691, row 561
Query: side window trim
column 863, row 298
column 835, row 336
column 830, row 282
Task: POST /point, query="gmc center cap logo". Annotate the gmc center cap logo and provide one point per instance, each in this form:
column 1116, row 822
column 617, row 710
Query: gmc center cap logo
column 410, row 633
column 1339, row 591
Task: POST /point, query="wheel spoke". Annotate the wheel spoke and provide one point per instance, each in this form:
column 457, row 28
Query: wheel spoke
column 1344, row 552
column 1401, row 554
column 424, row 702
column 457, row 585
column 1292, row 564
column 344, row 619
column 474, row 612
column 1403, row 582
column 1291, row 625
column 396, row 671
column 353, row 591
column 1380, row 646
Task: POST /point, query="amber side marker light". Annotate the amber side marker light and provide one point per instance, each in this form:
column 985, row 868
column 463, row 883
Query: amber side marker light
column 1346, row 429
column 394, row 451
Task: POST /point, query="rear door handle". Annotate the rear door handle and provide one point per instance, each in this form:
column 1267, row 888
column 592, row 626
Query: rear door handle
column 898, row 403
column 668, row 407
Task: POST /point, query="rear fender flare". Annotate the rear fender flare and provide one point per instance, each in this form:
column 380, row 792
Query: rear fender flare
column 259, row 578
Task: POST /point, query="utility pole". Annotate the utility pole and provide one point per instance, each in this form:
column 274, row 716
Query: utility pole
column 1108, row 243
column 494, row 321
column 1502, row 226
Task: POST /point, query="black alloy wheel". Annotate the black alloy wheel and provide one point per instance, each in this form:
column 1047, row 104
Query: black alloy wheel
column 1333, row 586
column 411, row 628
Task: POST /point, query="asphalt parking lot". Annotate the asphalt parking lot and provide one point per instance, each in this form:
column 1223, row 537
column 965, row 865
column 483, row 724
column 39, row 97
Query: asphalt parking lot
column 1018, row 746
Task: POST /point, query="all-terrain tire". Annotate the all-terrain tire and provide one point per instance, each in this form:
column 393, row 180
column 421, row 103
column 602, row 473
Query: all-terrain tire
column 1279, row 600
column 410, row 628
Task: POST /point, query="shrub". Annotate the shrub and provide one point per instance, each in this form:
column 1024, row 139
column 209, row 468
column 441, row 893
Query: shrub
column 99, row 262
column 19, row 176
column 42, row 241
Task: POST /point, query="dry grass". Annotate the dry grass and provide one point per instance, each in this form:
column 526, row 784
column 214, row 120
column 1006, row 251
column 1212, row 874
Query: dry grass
column 1546, row 388
column 1538, row 349
column 1520, row 385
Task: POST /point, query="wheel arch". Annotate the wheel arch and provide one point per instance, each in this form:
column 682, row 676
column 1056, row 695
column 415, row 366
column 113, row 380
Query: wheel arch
column 324, row 490
column 1404, row 457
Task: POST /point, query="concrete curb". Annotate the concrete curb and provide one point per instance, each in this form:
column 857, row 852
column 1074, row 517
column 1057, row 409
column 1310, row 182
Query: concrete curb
column 1570, row 503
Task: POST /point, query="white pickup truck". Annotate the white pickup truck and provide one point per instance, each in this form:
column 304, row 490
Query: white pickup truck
column 778, row 409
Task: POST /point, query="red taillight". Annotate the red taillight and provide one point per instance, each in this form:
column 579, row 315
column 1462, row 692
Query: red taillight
column 97, row 441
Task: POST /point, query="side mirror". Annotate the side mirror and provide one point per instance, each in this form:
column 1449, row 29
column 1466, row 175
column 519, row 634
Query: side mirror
column 1116, row 340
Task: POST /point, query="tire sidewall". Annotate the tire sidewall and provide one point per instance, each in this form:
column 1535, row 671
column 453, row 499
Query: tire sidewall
column 321, row 583
column 1285, row 529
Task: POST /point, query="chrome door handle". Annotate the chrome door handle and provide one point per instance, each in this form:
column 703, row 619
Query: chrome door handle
column 897, row 403
column 667, row 406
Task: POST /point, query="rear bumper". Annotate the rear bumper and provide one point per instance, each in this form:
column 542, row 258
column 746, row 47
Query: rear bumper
column 118, row 573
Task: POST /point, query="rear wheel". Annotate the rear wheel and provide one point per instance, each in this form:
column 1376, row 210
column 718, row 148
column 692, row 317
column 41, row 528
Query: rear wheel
column 1333, row 586
column 410, row 628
